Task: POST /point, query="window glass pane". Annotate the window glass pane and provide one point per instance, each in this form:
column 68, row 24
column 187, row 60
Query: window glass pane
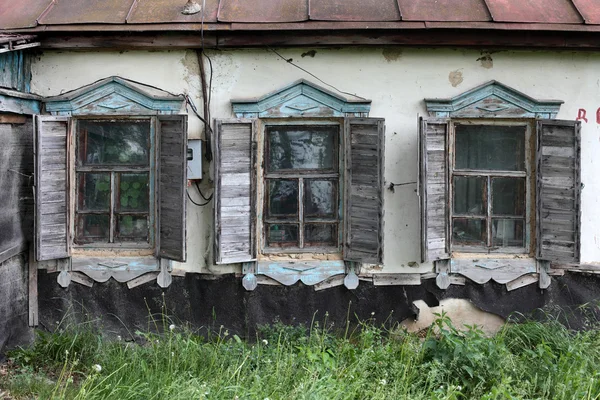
column 133, row 192
column 490, row 147
column 320, row 198
column 508, row 196
column 282, row 198
column 132, row 228
column 508, row 232
column 282, row 235
column 92, row 228
column 469, row 231
column 301, row 147
column 113, row 142
column 469, row 195
column 320, row 234
column 93, row 192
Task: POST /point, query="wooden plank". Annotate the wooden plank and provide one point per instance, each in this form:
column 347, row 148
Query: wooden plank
column 337, row 280
column 234, row 191
column 140, row 280
column 559, row 191
column 82, row 279
column 363, row 200
column 522, row 281
column 172, row 199
column 433, row 189
column 7, row 118
column 33, row 290
column 396, row 279
column 501, row 270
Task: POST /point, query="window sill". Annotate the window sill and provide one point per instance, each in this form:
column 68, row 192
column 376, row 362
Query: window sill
column 122, row 269
column 499, row 269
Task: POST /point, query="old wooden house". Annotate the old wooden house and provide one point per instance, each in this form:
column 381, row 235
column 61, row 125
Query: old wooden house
column 234, row 162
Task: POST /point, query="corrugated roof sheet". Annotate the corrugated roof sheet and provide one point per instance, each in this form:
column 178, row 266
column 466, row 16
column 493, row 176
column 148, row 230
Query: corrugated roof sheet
column 540, row 11
column 21, row 14
column 87, row 12
column 169, row 11
column 89, row 15
column 589, row 9
column 444, row 10
column 352, row 10
column 261, row 11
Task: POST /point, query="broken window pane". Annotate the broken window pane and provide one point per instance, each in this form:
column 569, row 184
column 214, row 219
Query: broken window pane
column 508, row 196
column 469, row 195
column 302, row 147
column 282, row 198
column 508, row 232
column 320, row 234
column 490, row 147
column 132, row 228
column 93, row 228
column 282, row 234
column 320, row 198
column 133, row 192
column 113, row 142
column 93, row 191
column 469, row 231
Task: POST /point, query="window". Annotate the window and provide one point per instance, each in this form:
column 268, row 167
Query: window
column 301, row 186
column 111, row 179
column 113, row 171
column 490, row 187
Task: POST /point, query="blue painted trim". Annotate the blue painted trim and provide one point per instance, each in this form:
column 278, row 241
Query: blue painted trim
column 515, row 104
column 19, row 103
column 307, row 272
column 115, row 96
column 300, row 99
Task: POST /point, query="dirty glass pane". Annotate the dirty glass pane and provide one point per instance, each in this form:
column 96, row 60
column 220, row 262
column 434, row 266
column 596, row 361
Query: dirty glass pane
column 92, row 228
column 320, row 198
column 282, row 234
column 133, row 192
column 132, row 228
column 282, row 197
column 113, row 142
column 508, row 196
column 490, row 147
column 93, row 193
column 469, row 231
column 508, row 232
column 320, row 234
column 469, row 195
column 301, row 147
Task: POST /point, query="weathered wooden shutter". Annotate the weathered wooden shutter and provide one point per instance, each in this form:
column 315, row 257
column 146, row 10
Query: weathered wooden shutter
column 234, row 191
column 433, row 189
column 364, row 144
column 172, row 186
column 51, row 188
column 558, row 190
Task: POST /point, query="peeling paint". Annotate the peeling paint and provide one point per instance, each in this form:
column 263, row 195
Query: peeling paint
column 310, row 53
column 391, row 54
column 486, row 60
column 455, row 77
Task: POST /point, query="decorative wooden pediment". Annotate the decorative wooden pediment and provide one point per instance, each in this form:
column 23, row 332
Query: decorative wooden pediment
column 115, row 96
column 301, row 99
column 493, row 100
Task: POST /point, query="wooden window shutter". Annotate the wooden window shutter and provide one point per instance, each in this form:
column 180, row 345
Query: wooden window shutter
column 52, row 239
column 433, row 189
column 558, row 190
column 235, row 183
column 364, row 180
column 172, row 186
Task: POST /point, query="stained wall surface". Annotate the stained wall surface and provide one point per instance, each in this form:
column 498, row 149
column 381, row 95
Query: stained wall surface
column 395, row 79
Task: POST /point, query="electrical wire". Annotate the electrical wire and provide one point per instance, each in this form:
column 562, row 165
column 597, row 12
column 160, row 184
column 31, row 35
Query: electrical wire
column 202, row 194
column 193, row 202
column 290, row 61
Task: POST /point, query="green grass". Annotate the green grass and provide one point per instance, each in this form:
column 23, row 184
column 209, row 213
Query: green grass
column 531, row 360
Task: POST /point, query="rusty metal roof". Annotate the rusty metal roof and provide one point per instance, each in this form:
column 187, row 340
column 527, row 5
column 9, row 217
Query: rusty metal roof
column 165, row 15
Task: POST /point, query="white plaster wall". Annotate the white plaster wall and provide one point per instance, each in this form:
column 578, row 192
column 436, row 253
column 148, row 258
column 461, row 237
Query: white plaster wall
column 396, row 80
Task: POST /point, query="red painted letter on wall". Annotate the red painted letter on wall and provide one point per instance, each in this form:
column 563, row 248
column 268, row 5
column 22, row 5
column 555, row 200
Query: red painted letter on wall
column 581, row 115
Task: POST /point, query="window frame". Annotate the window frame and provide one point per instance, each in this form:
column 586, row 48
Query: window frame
column 123, row 248
column 263, row 175
column 528, row 174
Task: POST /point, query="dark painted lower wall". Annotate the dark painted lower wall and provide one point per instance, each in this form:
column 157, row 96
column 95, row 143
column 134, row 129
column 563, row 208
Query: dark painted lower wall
column 210, row 304
column 14, row 316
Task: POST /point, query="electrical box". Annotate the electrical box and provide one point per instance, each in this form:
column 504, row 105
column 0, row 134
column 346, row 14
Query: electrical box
column 194, row 159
